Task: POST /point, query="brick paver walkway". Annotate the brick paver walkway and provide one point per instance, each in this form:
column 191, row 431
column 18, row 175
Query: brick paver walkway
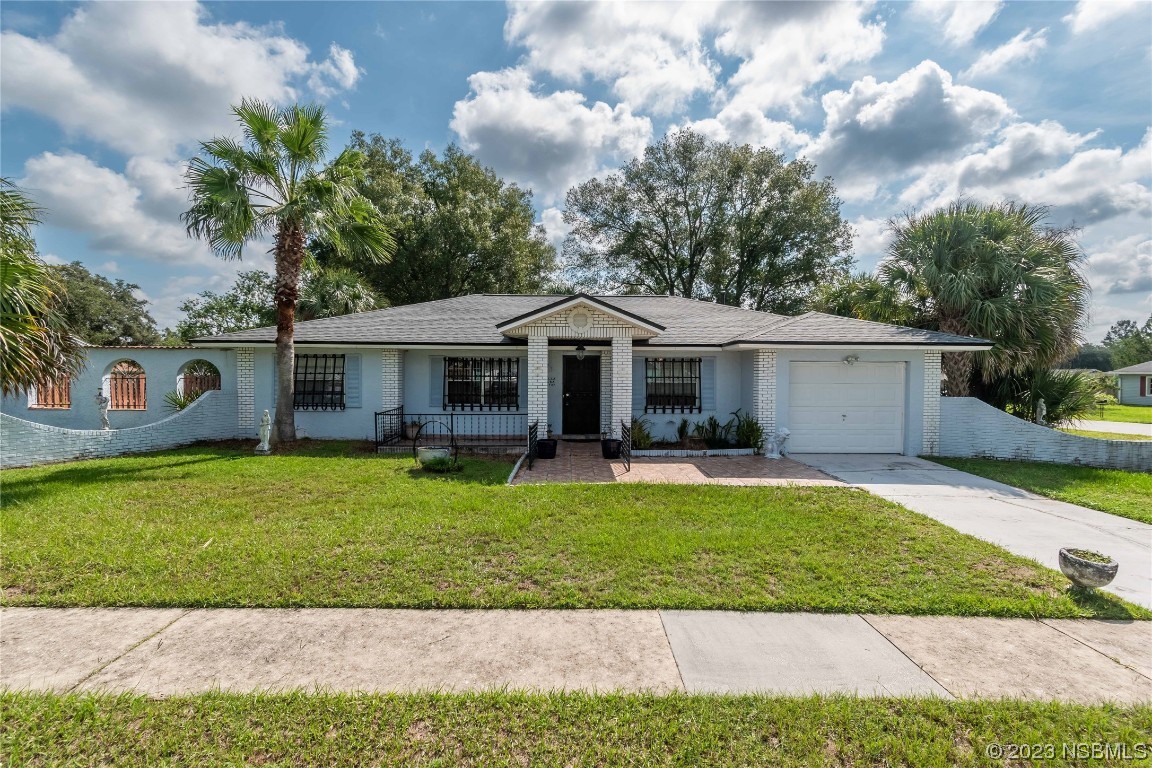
column 582, row 463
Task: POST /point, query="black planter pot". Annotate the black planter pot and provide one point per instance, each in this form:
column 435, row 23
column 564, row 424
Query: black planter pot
column 546, row 448
column 610, row 448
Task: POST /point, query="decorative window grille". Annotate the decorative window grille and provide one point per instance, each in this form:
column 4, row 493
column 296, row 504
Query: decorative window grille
column 318, row 383
column 482, row 383
column 199, row 376
column 128, row 387
column 53, row 394
column 672, row 385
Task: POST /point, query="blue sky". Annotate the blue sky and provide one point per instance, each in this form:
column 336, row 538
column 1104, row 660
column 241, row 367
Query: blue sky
column 905, row 105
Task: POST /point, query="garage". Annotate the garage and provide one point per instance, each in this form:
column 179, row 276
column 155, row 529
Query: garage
column 839, row 408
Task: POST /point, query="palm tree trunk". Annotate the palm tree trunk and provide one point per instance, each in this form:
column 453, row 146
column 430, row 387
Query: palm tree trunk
column 956, row 366
column 289, row 252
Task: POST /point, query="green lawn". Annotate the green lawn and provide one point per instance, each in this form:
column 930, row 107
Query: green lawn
column 1127, row 494
column 1106, row 435
column 1133, row 414
column 212, row 526
column 497, row 729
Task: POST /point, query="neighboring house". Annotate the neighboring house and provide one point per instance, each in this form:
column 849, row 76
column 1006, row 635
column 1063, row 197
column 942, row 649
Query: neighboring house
column 584, row 364
column 1135, row 384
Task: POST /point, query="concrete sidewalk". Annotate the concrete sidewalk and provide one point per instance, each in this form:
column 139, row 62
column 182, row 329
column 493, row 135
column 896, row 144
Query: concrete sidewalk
column 171, row 652
column 1021, row 522
column 1118, row 427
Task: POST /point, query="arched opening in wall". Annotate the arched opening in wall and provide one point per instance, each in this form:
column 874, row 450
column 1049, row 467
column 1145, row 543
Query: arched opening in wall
column 197, row 377
column 54, row 394
column 126, row 385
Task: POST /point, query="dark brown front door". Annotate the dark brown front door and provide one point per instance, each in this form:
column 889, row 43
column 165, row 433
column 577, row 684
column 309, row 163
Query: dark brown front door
column 581, row 395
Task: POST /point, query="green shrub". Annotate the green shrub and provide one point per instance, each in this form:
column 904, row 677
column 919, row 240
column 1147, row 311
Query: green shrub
column 641, row 434
column 175, row 401
column 747, row 431
column 683, row 430
column 713, row 433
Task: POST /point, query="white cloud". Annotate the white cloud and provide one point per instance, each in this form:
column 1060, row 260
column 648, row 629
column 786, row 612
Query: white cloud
column 787, row 47
column 166, row 81
column 961, row 21
column 876, row 130
column 1093, row 14
column 545, row 141
column 108, row 208
column 749, row 126
column 110, row 267
column 1123, row 266
column 871, row 240
column 651, row 53
column 1025, row 46
column 552, row 219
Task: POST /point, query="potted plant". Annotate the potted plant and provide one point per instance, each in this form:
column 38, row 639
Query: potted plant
column 433, row 453
column 610, row 446
column 411, row 429
column 546, row 447
column 1086, row 568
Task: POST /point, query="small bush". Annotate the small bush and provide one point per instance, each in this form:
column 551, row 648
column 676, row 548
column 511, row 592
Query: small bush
column 713, row 433
column 683, row 431
column 441, row 466
column 175, row 401
column 641, row 434
column 747, row 431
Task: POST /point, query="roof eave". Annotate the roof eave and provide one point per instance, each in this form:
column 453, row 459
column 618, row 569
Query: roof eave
column 576, row 298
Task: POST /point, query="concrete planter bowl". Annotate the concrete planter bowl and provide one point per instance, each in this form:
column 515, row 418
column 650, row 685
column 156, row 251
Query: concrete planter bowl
column 424, row 454
column 1085, row 572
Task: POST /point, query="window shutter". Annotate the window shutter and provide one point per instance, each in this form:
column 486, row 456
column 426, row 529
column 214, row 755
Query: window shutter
column 352, row 384
column 1143, row 386
column 708, row 383
column 522, row 372
column 638, row 386
column 436, row 382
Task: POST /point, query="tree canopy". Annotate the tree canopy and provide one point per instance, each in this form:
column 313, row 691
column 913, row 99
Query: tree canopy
column 35, row 343
column 711, row 220
column 276, row 182
column 1129, row 343
column 104, row 312
column 459, row 228
column 247, row 304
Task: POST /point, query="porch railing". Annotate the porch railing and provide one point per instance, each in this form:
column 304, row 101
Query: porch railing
column 533, row 438
column 626, row 444
column 468, row 430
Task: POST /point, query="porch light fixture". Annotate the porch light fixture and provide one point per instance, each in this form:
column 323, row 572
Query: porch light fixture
column 580, row 352
column 851, row 359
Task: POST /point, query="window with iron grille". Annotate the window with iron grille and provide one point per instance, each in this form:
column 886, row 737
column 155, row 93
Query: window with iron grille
column 482, row 383
column 318, row 383
column 128, row 387
column 53, row 394
column 672, row 385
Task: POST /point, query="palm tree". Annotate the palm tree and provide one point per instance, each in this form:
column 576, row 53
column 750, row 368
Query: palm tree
column 35, row 345
column 332, row 292
column 275, row 183
column 995, row 272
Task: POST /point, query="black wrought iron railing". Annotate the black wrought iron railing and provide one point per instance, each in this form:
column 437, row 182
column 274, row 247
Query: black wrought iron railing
column 626, row 445
column 465, row 430
column 533, row 438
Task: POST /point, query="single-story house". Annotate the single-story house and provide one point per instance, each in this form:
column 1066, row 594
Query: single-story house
column 583, row 365
column 1135, row 384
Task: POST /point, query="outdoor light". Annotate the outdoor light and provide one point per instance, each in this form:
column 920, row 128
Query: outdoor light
column 851, row 359
column 580, row 352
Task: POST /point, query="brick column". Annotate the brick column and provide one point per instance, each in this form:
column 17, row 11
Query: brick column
column 245, row 390
column 764, row 390
column 538, row 379
column 621, row 382
column 606, row 393
column 931, row 440
column 391, row 378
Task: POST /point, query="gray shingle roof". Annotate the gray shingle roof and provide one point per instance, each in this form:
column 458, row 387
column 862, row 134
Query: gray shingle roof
column 472, row 319
column 1145, row 367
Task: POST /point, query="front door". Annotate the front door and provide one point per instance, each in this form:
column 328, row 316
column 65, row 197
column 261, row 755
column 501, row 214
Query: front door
column 581, row 395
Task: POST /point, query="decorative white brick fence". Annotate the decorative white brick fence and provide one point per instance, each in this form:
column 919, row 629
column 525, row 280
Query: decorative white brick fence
column 972, row 428
column 25, row 443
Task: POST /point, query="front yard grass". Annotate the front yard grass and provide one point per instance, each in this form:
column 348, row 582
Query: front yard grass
column 1105, row 435
column 1109, row 490
column 324, row 527
column 1133, row 414
column 501, row 728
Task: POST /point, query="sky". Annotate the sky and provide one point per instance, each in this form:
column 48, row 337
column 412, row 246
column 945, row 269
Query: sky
column 907, row 106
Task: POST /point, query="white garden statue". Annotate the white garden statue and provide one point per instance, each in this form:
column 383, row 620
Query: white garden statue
column 265, row 434
column 775, row 444
column 103, row 402
column 1041, row 413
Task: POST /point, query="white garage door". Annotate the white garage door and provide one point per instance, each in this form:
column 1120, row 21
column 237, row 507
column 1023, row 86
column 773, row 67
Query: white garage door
column 838, row 408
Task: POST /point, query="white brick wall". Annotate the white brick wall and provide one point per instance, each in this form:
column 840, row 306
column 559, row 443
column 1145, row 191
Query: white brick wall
column 621, row 382
column 391, row 378
column 764, row 390
column 600, row 326
column 606, row 393
column 971, row 427
column 931, row 440
column 246, row 388
column 538, row 380
column 25, row 443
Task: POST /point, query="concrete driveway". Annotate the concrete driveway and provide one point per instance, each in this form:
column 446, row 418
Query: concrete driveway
column 1116, row 427
column 1021, row 522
